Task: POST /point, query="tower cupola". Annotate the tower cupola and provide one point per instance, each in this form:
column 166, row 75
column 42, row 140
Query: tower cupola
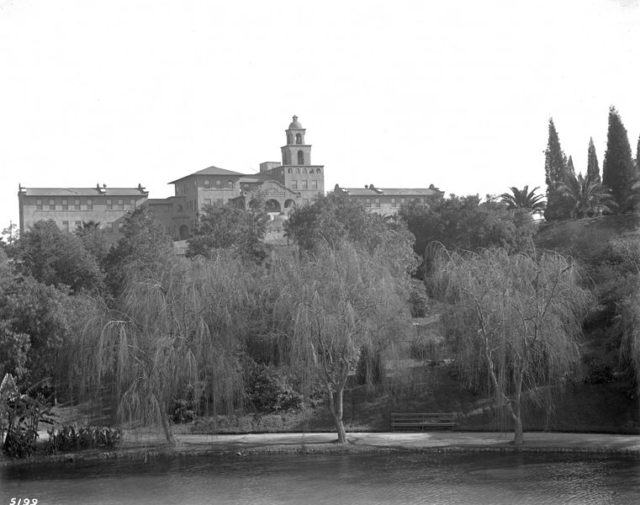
column 296, row 152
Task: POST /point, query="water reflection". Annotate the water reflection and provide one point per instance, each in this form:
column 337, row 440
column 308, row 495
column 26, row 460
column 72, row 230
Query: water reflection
column 485, row 478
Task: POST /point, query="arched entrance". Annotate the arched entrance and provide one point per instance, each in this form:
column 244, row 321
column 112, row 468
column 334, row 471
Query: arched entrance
column 289, row 206
column 272, row 206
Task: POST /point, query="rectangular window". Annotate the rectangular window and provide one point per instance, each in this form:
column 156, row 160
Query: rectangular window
column 132, row 204
column 76, row 205
column 38, row 204
column 65, row 225
column 120, row 205
column 314, row 184
column 65, row 205
column 89, row 204
column 120, row 227
column 294, row 184
column 109, row 205
column 304, row 185
column 377, row 202
column 401, row 201
column 52, row 205
column 393, row 202
column 367, row 202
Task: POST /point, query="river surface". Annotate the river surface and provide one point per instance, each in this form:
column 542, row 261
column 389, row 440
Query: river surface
column 477, row 478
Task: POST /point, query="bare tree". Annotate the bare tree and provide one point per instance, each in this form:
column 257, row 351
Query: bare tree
column 331, row 305
column 515, row 321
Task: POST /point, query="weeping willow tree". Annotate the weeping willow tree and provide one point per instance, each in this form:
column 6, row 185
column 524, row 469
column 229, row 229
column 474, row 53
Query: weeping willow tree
column 181, row 325
column 514, row 320
column 332, row 304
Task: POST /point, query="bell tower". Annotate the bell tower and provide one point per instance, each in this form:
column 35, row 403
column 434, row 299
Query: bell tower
column 299, row 174
column 296, row 153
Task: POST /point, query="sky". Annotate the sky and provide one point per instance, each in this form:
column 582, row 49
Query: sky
column 401, row 93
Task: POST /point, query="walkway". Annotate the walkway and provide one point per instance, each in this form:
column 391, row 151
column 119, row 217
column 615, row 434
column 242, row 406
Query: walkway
column 442, row 440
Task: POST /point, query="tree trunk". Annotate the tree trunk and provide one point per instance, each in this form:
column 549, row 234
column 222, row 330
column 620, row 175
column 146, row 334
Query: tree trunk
column 166, row 426
column 518, row 438
column 516, row 413
column 336, row 406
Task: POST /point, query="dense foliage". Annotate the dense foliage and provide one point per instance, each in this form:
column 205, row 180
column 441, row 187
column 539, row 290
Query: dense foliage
column 227, row 227
column 467, row 223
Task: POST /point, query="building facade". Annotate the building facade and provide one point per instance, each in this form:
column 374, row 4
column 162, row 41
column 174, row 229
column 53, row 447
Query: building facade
column 70, row 207
column 387, row 201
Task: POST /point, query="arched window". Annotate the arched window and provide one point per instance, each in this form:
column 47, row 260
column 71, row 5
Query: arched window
column 300, row 158
column 298, row 138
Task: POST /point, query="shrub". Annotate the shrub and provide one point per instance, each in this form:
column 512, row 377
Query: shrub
column 22, row 415
column 72, row 438
column 269, row 390
column 599, row 372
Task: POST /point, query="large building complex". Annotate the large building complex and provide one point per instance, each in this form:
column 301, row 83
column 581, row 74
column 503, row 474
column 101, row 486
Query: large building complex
column 280, row 185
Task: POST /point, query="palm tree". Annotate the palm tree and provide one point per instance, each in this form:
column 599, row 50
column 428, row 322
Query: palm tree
column 588, row 196
column 524, row 199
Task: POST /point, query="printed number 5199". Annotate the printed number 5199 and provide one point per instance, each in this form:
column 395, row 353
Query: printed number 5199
column 23, row 501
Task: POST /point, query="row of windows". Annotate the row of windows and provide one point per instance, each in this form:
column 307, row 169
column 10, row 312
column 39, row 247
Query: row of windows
column 394, row 202
column 108, row 227
column 181, row 189
column 304, row 170
column 84, row 204
column 218, row 183
column 208, row 201
column 304, row 185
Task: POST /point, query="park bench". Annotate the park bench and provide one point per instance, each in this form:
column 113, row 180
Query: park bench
column 422, row 420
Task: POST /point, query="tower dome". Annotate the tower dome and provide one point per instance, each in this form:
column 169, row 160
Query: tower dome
column 295, row 125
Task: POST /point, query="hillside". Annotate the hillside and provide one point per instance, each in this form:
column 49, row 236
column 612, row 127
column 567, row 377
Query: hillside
column 586, row 238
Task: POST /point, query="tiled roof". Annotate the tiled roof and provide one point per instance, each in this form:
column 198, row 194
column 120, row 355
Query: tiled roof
column 71, row 192
column 392, row 191
column 209, row 171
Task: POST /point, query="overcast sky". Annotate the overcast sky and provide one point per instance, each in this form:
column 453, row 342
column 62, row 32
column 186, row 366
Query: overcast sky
column 395, row 93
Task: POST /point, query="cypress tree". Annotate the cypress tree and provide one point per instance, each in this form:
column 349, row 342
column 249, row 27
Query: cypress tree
column 618, row 171
column 593, row 169
column 570, row 168
column 555, row 168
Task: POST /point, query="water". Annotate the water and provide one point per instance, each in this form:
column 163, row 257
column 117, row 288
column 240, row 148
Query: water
column 485, row 478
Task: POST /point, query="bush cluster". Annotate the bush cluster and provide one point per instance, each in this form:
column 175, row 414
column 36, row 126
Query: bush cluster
column 269, row 390
column 71, row 438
